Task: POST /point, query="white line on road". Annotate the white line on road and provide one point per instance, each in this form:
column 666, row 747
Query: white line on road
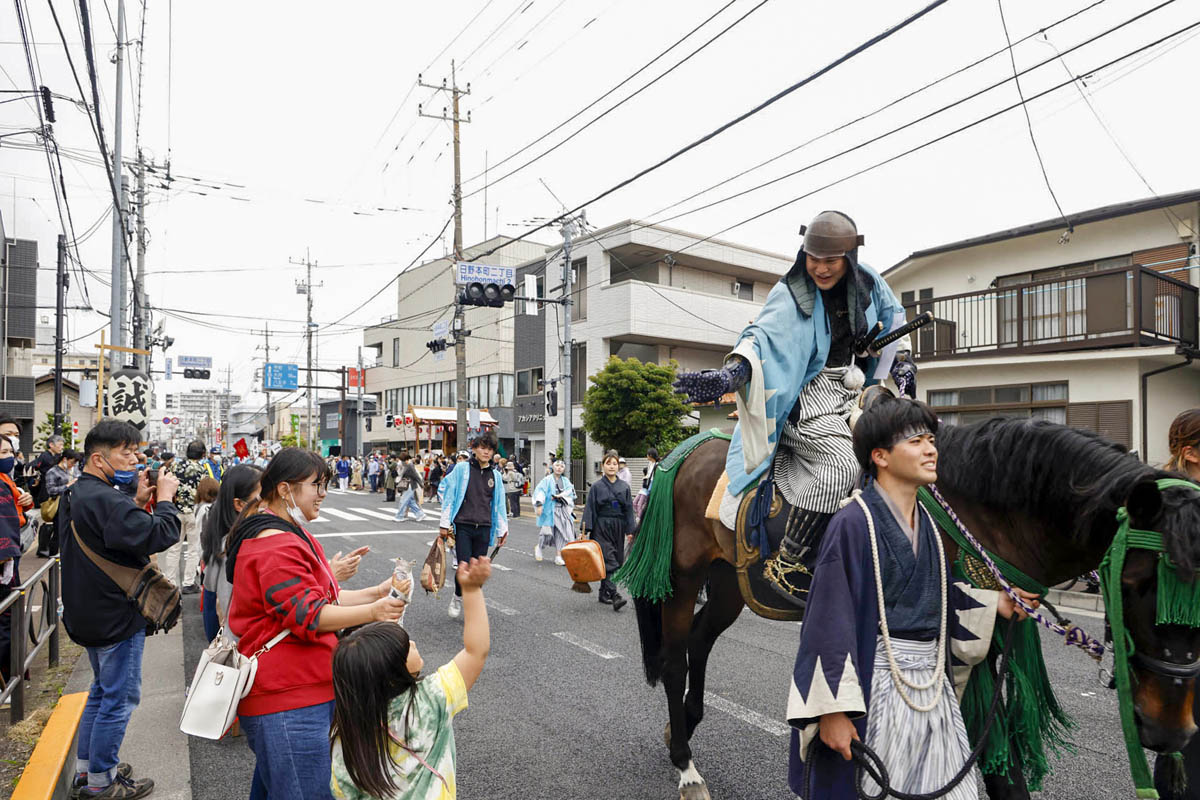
column 370, row 512
column 352, row 534
column 501, row 567
column 746, row 715
column 503, row 609
column 320, row 519
column 591, row 647
column 343, row 515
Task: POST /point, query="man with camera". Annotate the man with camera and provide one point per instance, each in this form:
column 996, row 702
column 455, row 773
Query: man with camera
column 104, row 528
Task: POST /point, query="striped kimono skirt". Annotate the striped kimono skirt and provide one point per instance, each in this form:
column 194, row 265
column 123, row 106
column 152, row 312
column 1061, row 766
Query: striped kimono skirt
column 921, row 750
column 815, row 467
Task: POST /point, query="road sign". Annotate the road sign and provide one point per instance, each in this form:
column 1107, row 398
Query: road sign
column 166, row 420
column 167, row 374
column 472, row 417
column 195, row 362
column 531, row 308
column 174, row 420
column 468, row 272
column 280, row 377
column 441, row 329
column 440, row 355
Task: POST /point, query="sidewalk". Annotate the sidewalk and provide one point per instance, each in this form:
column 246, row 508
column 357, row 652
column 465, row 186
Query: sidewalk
column 154, row 744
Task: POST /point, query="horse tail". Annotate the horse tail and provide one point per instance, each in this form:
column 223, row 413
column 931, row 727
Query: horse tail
column 650, row 631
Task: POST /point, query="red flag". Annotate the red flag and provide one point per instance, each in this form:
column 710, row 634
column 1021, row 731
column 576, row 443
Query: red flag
column 241, row 449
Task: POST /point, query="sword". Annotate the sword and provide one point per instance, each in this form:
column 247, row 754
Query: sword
column 874, row 343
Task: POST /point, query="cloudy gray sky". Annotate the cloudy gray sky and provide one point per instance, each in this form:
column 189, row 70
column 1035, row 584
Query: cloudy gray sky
column 293, row 127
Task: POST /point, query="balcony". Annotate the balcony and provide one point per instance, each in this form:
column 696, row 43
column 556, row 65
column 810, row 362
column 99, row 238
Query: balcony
column 1125, row 307
column 654, row 314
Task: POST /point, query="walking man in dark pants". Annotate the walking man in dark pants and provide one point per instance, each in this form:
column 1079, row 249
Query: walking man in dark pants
column 475, row 505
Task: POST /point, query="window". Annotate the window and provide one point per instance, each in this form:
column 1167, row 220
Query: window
column 1113, row 419
column 579, row 289
column 506, row 390
column 1037, row 400
column 745, row 290
column 520, row 305
column 527, row 382
column 578, row 373
column 493, row 395
column 396, row 352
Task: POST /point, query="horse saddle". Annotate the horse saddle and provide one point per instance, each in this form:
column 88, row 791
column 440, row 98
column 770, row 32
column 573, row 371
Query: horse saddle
column 756, row 588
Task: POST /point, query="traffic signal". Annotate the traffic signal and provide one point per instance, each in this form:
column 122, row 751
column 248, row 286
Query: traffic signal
column 436, row 346
column 47, row 104
column 199, row 374
column 552, row 402
column 486, row 294
column 388, row 421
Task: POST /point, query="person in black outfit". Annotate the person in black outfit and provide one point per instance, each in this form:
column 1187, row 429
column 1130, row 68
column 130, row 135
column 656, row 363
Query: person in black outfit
column 608, row 518
column 47, row 541
column 96, row 612
column 474, row 503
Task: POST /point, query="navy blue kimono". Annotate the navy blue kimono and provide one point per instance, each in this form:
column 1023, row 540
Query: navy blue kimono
column 835, row 661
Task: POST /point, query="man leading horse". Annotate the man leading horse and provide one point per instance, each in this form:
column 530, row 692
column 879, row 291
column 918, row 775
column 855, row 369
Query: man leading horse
column 798, row 371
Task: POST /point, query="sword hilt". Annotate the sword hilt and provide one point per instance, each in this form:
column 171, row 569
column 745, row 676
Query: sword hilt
column 920, row 321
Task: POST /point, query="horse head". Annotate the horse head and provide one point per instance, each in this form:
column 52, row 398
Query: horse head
column 1166, row 648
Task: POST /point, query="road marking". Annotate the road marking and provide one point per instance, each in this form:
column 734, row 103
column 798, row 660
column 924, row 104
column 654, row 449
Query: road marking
column 352, row 534
column 501, row 567
column 343, row 515
column 503, row 609
column 370, row 512
column 591, row 647
column 320, row 519
column 773, row 727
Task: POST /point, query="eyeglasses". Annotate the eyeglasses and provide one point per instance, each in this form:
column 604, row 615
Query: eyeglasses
column 322, row 487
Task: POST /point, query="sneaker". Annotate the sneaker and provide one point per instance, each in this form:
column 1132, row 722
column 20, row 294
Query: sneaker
column 122, row 788
column 537, row 552
column 455, row 610
column 191, row 588
column 559, row 560
column 618, row 602
column 80, row 782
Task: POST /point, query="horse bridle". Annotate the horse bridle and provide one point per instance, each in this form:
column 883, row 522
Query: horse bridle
column 1167, row 669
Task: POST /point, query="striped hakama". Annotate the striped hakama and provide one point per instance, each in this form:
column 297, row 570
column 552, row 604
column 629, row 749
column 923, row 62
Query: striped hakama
column 815, row 467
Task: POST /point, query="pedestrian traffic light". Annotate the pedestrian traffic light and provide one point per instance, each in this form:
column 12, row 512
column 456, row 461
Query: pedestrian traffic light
column 199, row 374
column 388, row 421
column 552, row 402
column 486, row 294
column 436, row 346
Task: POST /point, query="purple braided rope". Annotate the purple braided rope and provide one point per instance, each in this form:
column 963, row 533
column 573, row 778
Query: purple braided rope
column 1073, row 635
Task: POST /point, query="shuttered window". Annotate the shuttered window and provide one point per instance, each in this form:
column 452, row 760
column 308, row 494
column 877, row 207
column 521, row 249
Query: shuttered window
column 1112, row 419
column 1164, row 259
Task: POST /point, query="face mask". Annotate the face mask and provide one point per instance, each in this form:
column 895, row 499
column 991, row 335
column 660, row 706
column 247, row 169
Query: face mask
column 121, row 477
column 297, row 514
column 7, row 463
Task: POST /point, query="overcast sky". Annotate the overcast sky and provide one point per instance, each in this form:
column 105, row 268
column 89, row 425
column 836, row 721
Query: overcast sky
column 300, row 122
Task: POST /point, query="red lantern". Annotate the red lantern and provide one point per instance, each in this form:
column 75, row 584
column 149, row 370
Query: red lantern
column 408, row 420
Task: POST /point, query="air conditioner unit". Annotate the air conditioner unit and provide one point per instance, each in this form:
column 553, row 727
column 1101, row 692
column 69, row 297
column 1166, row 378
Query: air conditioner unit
column 735, row 288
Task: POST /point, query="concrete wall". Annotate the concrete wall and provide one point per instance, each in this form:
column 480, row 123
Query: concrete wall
column 1166, row 396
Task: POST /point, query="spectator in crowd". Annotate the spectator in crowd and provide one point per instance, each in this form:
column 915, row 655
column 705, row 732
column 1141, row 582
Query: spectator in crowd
column 168, row 461
column 608, row 518
column 212, row 465
column 180, row 568
column 60, row 477
column 436, row 473
column 513, row 481
column 623, row 472
column 11, row 428
column 389, row 480
column 206, row 495
column 474, row 506
column 643, row 496
column 282, row 581
column 408, row 484
column 41, row 466
column 373, row 472
column 96, row 612
column 343, row 473
column 240, row 488
column 392, row 730
column 12, row 519
column 1183, row 438
column 554, row 507
column 264, row 458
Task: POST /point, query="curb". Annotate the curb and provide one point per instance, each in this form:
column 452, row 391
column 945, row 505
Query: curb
column 1081, row 600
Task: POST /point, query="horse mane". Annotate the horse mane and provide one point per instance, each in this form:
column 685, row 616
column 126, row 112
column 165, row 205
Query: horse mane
column 1072, row 480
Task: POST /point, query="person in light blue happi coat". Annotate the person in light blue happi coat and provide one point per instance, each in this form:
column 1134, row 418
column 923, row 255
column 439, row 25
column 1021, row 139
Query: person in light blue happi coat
column 475, row 505
column 554, row 504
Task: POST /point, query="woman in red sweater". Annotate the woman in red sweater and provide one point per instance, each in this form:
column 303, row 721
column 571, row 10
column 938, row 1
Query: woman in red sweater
column 283, row 581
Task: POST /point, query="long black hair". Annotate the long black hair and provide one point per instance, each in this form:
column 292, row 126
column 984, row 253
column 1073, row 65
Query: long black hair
column 238, row 484
column 369, row 671
column 290, row 465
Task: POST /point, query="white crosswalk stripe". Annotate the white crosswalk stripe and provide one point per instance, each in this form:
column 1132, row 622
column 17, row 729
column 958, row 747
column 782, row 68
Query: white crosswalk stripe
column 591, row 647
column 353, row 534
column 343, row 515
column 370, row 512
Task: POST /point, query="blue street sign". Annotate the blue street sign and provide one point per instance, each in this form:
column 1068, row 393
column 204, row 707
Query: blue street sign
column 467, row 272
column 168, row 375
column 194, row 362
column 280, row 377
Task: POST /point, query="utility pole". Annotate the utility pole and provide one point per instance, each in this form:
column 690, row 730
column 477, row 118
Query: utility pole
column 60, row 295
column 140, row 319
column 568, row 231
column 117, row 296
column 460, row 327
column 306, row 288
column 224, row 407
column 359, row 431
column 342, row 411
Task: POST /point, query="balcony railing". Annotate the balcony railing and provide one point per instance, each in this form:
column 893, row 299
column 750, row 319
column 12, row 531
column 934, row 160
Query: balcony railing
column 1125, row 307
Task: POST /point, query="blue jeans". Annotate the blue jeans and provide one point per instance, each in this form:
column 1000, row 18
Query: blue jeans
column 470, row 541
column 208, row 612
column 409, row 500
column 115, row 693
column 291, row 751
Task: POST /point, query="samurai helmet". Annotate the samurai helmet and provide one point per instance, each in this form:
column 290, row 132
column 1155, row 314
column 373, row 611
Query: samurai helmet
column 830, row 234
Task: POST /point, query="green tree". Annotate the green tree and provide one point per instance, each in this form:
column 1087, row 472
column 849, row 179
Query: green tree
column 46, row 429
column 631, row 406
column 577, row 449
column 293, row 440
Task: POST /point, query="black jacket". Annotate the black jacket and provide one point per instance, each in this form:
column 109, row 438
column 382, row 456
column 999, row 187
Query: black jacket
column 96, row 612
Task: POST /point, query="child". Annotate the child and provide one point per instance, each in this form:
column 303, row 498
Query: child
column 392, row 733
column 608, row 517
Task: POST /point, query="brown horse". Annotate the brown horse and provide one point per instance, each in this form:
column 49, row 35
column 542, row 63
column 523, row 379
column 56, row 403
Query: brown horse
column 1043, row 497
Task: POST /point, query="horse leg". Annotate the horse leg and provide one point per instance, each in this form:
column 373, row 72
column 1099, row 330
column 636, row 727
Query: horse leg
column 678, row 611
column 1006, row 787
column 724, row 605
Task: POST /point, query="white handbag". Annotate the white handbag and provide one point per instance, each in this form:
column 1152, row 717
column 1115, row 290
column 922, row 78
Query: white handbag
column 223, row 677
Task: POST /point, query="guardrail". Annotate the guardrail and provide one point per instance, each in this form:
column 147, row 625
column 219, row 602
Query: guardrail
column 25, row 632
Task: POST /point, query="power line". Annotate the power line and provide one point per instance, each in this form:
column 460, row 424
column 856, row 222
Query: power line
column 744, row 116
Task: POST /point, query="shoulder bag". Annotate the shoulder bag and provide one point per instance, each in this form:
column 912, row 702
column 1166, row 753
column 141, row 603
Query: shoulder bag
column 156, row 598
column 222, row 678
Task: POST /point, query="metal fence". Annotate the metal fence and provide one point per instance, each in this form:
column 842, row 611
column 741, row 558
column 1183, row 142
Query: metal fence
column 34, row 625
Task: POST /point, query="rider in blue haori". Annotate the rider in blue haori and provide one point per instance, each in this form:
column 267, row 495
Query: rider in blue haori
column 798, row 371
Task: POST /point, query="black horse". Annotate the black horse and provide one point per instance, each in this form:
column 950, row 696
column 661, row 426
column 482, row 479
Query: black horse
column 1042, row 496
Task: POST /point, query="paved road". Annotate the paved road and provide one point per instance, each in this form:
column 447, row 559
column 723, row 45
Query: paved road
column 562, row 709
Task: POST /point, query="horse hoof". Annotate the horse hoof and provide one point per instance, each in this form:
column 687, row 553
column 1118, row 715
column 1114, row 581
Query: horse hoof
column 694, row 791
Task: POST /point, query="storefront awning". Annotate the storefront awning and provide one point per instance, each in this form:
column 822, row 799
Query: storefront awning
column 442, row 416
